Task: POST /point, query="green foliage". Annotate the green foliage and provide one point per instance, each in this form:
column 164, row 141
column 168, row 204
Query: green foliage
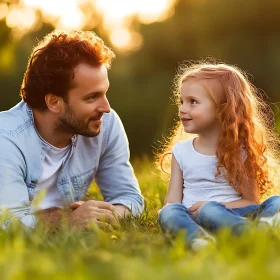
column 237, row 32
column 244, row 33
column 138, row 250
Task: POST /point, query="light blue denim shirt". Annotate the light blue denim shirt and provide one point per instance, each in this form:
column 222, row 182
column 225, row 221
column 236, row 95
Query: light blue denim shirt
column 104, row 158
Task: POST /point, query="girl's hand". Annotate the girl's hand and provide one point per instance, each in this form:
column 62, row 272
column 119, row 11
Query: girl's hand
column 196, row 206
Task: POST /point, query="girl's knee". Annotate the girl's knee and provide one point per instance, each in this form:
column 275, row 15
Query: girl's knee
column 210, row 212
column 273, row 201
column 170, row 211
column 209, row 208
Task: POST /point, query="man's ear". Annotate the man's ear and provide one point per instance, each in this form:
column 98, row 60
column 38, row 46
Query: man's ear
column 53, row 102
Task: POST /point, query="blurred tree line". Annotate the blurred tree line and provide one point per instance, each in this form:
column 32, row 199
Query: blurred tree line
column 243, row 33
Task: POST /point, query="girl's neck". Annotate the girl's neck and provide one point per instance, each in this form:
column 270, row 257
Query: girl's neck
column 206, row 146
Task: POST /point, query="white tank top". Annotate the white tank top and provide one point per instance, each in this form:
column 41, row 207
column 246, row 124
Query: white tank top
column 200, row 183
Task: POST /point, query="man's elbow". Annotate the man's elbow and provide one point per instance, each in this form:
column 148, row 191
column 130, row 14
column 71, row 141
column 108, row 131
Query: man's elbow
column 8, row 216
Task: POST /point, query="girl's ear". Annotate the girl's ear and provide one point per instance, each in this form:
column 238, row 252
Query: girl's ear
column 53, row 102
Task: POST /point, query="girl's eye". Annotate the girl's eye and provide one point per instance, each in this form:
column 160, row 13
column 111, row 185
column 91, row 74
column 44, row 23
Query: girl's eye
column 193, row 101
column 181, row 102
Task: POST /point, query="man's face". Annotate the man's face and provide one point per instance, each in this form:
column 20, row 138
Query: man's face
column 86, row 102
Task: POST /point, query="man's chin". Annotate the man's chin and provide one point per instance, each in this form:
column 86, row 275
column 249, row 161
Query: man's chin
column 92, row 133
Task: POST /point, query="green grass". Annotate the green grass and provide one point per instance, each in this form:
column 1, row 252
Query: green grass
column 138, row 250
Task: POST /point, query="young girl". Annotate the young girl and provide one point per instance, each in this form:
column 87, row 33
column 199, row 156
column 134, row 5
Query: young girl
column 219, row 175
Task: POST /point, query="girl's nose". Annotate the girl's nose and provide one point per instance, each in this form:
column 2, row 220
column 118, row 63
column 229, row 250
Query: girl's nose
column 183, row 109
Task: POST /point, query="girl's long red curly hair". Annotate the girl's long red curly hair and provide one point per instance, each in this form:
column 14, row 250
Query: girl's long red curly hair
column 246, row 122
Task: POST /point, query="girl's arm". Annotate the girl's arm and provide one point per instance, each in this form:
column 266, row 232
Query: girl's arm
column 175, row 188
column 248, row 198
column 239, row 203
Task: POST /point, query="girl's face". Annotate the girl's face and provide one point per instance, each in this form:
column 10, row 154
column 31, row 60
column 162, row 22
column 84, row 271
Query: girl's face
column 198, row 109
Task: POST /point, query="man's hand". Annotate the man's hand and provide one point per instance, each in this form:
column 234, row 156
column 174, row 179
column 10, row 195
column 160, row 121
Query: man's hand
column 76, row 204
column 50, row 217
column 121, row 211
column 196, row 206
column 104, row 214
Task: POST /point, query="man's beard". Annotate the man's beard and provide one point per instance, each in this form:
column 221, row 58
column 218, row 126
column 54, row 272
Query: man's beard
column 69, row 123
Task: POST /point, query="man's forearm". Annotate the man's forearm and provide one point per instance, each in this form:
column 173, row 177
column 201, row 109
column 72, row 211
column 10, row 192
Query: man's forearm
column 52, row 217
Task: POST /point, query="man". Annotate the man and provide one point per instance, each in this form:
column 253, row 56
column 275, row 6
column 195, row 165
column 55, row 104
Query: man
column 62, row 136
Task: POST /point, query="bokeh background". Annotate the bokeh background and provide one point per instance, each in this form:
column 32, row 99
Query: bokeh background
column 150, row 38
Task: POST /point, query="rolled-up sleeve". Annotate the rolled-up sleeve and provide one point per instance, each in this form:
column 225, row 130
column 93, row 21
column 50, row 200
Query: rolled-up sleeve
column 115, row 176
column 14, row 198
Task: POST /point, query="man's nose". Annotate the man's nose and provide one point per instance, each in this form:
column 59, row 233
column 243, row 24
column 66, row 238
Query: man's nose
column 105, row 105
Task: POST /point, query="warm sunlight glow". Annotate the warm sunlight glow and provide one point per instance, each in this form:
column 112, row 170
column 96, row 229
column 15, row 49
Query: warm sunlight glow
column 122, row 38
column 72, row 14
column 117, row 16
column 22, row 18
column 3, row 10
column 65, row 13
column 147, row 10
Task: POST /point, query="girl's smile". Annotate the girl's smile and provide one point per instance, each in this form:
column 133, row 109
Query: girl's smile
column 185, row 121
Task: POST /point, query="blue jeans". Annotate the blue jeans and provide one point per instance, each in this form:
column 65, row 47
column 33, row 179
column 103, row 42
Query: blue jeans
column 213, row 216
column 176, row 217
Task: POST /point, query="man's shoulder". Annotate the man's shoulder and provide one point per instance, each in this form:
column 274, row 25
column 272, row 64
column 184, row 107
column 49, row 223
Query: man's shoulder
column 108, row 117
column 15, row 120
column 112, row 120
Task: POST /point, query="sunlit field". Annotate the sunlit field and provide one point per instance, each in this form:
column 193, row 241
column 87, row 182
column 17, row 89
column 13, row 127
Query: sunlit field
column 138, row 250
column 151, row 39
